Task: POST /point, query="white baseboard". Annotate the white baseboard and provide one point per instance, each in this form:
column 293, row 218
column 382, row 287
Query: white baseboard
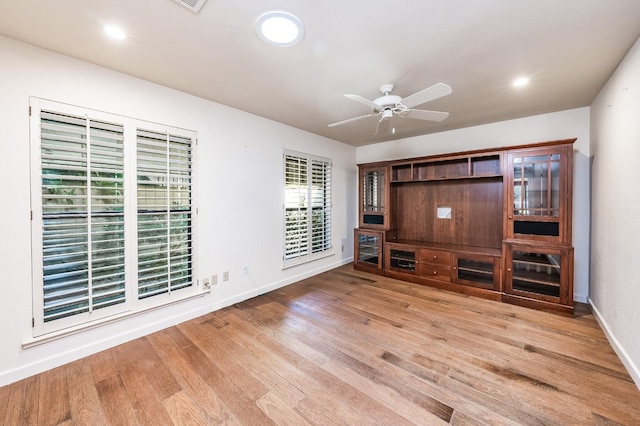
column 278, row 284
column 633, row 369
column 42, row 360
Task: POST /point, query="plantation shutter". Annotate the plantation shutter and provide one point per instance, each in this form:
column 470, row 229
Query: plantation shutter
column 321, row 206
column 164, row 194
column 307, row 228
column 296, row 206
column 83, row 255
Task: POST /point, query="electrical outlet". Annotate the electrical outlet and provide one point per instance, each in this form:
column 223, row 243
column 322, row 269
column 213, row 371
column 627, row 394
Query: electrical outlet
column 214, row 279
column 245, row 269
column 225, row 276
column 206, row 283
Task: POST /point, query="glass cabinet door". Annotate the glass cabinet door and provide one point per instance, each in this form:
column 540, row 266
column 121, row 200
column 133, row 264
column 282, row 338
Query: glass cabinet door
column 476, row 270
column 373, row 197
column 369, row 249
column 403, row 259
column 536, row 273
column 536, row 185
column 540, row 273
column 538, row 199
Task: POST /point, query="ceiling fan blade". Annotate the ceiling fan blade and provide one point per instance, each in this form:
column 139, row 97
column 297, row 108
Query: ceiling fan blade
column 363, row 101
column 339, row 123
column 421, row 114
column 383, row 125
column 429, row 94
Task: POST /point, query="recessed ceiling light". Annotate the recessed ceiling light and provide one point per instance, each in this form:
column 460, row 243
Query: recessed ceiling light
column 521, row 82
column 115, row 32
column 280, row 28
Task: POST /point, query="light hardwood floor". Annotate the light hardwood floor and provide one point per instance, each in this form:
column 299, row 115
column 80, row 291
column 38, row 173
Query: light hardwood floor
column 345, row 347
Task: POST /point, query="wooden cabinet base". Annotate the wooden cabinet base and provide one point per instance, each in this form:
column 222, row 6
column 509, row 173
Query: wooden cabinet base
column 437, row 283
column 371, row 269
column 479, row 292
column 538, row 304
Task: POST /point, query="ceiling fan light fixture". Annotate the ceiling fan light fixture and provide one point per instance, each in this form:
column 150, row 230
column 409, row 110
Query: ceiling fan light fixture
column 281, row 29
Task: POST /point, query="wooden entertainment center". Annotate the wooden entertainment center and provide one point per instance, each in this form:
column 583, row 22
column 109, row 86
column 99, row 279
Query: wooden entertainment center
column 493, row 223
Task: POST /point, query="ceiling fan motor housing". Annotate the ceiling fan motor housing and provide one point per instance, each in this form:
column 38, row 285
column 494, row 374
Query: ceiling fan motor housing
column 388, row 101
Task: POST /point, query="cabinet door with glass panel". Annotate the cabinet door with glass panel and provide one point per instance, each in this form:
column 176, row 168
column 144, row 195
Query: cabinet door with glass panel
column 374, row 197
column 540, row 194
column 368, row 250
column 402, row 258
column 477, row 270
column 540, row 273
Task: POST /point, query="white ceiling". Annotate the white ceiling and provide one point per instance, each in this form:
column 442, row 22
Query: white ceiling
column 569, row 48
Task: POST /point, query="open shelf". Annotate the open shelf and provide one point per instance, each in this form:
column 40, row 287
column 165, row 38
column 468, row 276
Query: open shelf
column 445, row 169
column 402, row 172
column 448, row 168
column 485, row 166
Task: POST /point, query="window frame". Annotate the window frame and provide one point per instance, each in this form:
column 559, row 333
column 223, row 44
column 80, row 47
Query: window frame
column 308, row 254
column 132, row 304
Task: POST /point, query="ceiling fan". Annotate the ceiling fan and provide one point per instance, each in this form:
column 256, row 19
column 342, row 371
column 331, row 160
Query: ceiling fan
column 387, row 105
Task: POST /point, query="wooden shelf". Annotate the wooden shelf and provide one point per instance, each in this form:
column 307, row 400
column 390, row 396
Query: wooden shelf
column 462, row 167
column 476, row 271
column 402, row 172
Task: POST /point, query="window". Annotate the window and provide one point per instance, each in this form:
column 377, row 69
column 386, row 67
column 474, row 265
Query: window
column 88, row 223
column 307, row 228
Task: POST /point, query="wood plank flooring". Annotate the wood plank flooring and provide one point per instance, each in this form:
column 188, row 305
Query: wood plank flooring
column 344, row 347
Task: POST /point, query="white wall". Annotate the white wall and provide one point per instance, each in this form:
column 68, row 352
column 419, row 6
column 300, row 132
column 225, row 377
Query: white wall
column 615, row 223
column 559, row 125
column 240, row 195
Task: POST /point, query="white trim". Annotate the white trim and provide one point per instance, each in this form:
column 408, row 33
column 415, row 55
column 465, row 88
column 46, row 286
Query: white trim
column 631, row 367
column 50, row 337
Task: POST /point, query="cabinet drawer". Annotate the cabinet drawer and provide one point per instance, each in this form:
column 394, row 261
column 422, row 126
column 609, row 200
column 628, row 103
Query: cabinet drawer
column 442, row 273
column 435, row 257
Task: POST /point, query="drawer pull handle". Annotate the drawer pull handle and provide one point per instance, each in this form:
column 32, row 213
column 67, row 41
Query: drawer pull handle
column 435, row 272
column 435, row 257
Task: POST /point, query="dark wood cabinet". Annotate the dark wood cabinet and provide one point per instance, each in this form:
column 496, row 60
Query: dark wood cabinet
column 474, row 222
